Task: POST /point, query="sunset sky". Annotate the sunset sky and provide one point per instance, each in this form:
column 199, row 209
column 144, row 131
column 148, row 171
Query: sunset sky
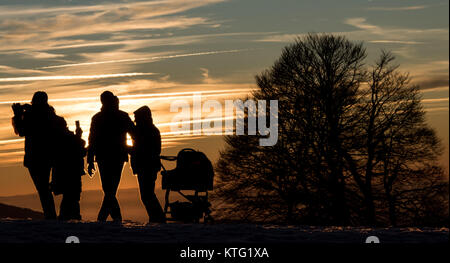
column 154, row 52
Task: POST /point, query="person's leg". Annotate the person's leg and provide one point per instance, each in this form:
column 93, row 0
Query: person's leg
column 73, row 207
column 64, row 207
column 148, row 196
column 41, row 178
column 144, row 192
column 72, row 195
column 76, row 213
column 104, row 209
column 76, row 208
column 115, row 207
column 156, row 209
column 110, row 173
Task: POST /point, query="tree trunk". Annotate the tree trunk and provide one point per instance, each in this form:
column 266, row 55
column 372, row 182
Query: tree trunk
column 392, row 211
column 370, row 208
column 290, row 206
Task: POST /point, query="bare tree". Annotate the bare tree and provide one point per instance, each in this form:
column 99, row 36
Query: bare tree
column 393, row 143
column 352, row 141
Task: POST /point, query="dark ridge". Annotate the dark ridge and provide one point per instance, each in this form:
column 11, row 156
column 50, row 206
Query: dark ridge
column 14, row 212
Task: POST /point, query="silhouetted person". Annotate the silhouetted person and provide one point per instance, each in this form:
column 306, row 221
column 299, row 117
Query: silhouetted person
column 68, row 167
column 37, row 122
column 107, row 143
column 145, row 161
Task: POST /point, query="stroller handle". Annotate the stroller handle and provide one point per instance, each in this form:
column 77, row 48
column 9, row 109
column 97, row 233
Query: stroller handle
column 173, row 158
column 167, row 158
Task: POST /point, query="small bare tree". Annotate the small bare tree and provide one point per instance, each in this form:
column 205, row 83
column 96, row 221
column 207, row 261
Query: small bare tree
column 394, row 151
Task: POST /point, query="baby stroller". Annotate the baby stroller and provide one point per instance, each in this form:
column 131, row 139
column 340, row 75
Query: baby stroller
column 193, row 172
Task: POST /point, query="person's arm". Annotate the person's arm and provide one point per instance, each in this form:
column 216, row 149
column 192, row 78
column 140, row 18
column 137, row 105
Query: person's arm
column 131, row 130
column 158, row 141
column 130, row 127
column 157, row 144
column 91, row 148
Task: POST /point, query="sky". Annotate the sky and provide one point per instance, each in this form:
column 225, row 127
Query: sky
column 156, row 52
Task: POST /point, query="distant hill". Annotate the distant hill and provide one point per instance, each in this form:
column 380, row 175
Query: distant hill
column 14, row 212
column 129, row 200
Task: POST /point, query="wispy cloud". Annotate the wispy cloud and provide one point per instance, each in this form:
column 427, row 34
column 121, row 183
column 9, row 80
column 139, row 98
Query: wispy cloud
column 372, row 33
column 11, row 141
column 67, row 77
column 142, row 41
column 398, row 8
column 13, row 70
column 394, row 33
column 361, row 23
column 438, row 109
column 430, row 76
column 24, row 26
column 144, row 59
column 160, row 7
column 279, row 38
column 435, row 100
column 395, row 42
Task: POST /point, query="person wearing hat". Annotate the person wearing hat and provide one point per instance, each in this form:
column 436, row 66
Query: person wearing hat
column 145, row 161
column 37, row 123
column 108, row 147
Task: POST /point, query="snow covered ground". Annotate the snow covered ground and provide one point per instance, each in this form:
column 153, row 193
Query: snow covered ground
column 35, row 231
